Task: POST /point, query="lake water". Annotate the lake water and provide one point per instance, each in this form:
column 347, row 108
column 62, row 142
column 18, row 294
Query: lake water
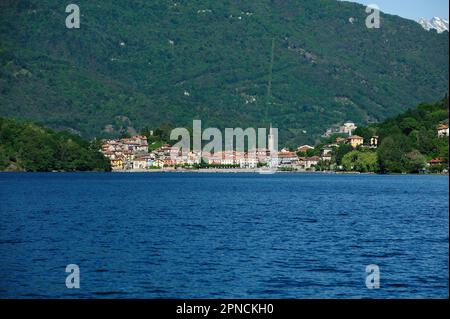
column 202, row 235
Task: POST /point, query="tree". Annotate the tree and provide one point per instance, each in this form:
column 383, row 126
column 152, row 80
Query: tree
column 361, row 161
column 4, row 159
column 365, row 132
column 146, row 131
column 308, row 153
column 341, row 151
column 415, row 161
column 163, row 132
column 390, row 156
column 408, row 125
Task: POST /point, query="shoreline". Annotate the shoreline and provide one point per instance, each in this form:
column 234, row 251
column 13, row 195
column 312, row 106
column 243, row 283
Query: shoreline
column 227, row 171
column 256, row 171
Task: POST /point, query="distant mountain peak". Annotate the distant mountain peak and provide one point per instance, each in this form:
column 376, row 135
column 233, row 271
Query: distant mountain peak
column 436, row 23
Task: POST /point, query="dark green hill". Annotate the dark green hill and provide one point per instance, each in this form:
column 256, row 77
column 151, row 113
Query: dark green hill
column 142, row 63
column 31, row 147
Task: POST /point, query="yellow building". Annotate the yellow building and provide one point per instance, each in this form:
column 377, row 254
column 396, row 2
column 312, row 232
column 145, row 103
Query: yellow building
column 355, row 141
column 117, row 164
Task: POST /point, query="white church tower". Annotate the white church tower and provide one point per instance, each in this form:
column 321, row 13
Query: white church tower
column 271, row 140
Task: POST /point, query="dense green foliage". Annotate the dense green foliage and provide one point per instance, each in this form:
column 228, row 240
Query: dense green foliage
column 341, row 151
column 408, row 141
column 361, row 161
column 30, row 147
column 140, row 63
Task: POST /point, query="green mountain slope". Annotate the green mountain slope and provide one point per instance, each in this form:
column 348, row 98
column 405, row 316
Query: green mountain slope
column 142, row 63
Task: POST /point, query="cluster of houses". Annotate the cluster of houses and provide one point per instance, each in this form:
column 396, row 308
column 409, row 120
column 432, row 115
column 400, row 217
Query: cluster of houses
column 133, row 154
column 327, row 150
column 126, row 153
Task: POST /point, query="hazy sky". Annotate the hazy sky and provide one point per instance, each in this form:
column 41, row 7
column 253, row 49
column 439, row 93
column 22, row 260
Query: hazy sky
column 411, row 9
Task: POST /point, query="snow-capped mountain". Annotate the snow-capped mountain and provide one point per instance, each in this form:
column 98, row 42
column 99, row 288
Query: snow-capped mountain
column 439, row 24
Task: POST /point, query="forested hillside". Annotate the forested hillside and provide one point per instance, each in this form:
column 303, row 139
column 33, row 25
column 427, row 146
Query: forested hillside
column 143, row 63
column 31, row 147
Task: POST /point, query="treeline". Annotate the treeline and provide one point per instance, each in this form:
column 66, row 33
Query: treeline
column 405, row 143
column 31, row 147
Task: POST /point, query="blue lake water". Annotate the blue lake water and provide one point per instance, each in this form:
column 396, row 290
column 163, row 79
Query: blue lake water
column 196, row 235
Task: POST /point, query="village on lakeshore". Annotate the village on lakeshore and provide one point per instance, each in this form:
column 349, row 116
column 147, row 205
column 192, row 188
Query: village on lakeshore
column 137, row 154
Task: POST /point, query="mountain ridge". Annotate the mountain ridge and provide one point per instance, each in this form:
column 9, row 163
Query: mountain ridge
column 436, row 23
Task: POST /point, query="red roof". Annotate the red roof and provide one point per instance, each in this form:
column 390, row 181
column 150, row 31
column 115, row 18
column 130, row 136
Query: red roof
column 305, row 147
column 437, row 161
column 287, row 154
column 313, row 158
column 355, row 137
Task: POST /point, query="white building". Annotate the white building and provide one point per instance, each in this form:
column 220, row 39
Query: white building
column 140, row 163
column 248, row 162
column 327, row 151
column 348, row 128
column 374, row 142
column 309, row 162
column 287, row 158
column 442, row 130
